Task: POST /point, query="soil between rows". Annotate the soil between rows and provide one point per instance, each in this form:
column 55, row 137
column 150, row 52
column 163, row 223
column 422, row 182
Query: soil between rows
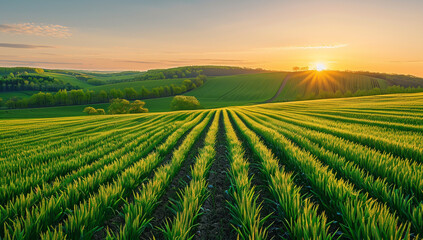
column 214, row 221
column 118, row 220
column 163, row 211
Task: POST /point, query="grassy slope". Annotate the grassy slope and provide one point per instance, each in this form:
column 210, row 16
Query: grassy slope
column 20, row 94
column 68, row 79
column 306, row 83
column 235, row 90
column 111, row 77
column 149, row 84
column 160, row 105
column 154, row 105
column 238, row 89
column 65, row 111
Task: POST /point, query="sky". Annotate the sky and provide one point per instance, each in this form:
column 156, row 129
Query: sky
column 109, row 35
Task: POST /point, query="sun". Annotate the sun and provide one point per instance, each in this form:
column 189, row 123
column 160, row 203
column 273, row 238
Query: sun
column 320, row 67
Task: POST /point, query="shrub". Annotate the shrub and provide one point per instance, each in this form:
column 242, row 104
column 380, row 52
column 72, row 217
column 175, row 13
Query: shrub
column 101, row 111
column 122, row 106
column 90, row 111
column 119, row 106
column 184, row 103
column 138, row 107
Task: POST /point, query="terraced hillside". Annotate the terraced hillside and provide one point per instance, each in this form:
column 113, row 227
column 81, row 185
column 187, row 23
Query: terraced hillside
column 340, row 168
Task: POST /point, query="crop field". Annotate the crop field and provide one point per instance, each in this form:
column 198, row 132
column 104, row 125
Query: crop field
column 348, row 168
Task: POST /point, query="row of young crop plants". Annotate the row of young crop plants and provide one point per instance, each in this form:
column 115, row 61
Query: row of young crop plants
column 26, row 214
column 372, row 194
column 325, row 182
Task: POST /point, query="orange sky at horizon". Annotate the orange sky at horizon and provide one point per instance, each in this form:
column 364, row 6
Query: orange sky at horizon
column 379, row 36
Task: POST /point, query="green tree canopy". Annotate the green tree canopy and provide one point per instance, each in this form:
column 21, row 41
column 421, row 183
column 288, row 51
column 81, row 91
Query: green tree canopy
column 93, row 111
column 90, row 111
column 119, row 106
column 180, row 102
column 138, row 107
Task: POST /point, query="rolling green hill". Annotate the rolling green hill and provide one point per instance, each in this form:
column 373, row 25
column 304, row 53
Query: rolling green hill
column 244, row 89
column 68, row 79
column 311, row 83
column 238, row 89
column 149, row 84
column 261, row 87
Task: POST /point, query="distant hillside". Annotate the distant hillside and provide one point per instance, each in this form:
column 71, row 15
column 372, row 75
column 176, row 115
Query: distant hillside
column 194, row 71
column 396, row 79
column 262, row 87
column 225, row 86
column 238, row 89
column 312, row 84
column 4, row 71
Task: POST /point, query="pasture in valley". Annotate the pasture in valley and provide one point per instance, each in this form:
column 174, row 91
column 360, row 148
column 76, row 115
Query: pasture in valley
column 347, row 168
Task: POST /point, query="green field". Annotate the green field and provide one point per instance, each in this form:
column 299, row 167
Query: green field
column 238, row 89
column 107, row 77
column 68, row 79
column 137, row 85
column 19, row 94
column 312, row 82
column 153, row 105
column 49, row 112
column 349, row 168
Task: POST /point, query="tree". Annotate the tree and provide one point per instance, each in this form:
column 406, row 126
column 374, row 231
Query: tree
column 10, row 104
column 199, row 80
column 144, row 93
column 61, row 97
column 102, row 96
column 119, row 106
column 90, row 111
column 348, row 93
column 77, row 96
column 188, row 84
column 101, row 111
column 180, row 102
column 130, row 93
column 93, row 111
column 296, row 69
column 138, row 107
column 338, row 94
column 1, row 102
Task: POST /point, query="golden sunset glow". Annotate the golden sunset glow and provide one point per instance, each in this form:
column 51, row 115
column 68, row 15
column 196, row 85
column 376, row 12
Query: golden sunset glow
column 274, row 35
column 320, row 67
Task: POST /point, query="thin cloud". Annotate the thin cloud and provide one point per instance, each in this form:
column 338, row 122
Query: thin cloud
column 37, row 62
column 135, row 61
column 17, row 45
column 49, row 30
column 206, row 60
column 407, row 61
column 309, row 47
column 184, row 61
column 319, row 47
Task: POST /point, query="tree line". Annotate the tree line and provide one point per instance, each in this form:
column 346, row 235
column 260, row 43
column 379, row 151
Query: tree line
column 80, row 96
column 25, row 81
column 190, row 72
column 16, row 70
